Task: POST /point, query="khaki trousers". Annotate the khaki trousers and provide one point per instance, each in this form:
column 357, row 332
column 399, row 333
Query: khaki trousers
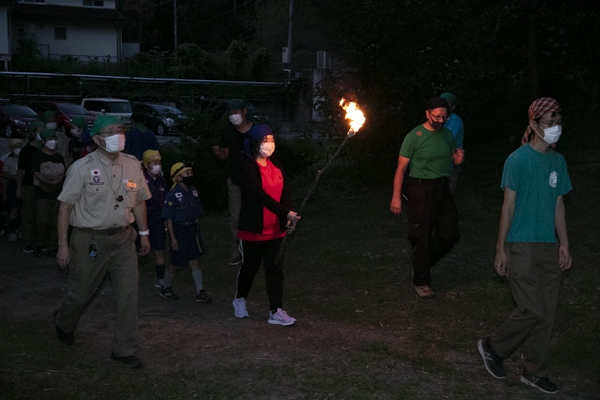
column 115, row 255
column 534, row 275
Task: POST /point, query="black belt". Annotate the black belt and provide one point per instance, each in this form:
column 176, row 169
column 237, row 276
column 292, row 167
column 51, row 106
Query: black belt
column 436, row 181
column 103, row 232
column 185, row 223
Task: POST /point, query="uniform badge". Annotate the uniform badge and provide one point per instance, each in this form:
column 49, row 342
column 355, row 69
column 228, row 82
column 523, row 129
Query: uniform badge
column 129, row 183
column 95, row 177
column 179, row 196
column 195, row 193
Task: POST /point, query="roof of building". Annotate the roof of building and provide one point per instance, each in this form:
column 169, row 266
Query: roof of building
column 64, row 13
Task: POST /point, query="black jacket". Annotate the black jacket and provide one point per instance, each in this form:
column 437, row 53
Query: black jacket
column 254, row 198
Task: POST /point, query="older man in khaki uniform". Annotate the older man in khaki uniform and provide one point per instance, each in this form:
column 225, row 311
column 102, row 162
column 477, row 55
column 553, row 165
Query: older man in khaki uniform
column 104, row 193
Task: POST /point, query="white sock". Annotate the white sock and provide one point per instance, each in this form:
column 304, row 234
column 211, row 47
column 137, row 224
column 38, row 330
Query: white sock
column 197, row 275
column 168, row 279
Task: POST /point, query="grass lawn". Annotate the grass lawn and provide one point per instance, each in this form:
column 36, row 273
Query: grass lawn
column 361, row 334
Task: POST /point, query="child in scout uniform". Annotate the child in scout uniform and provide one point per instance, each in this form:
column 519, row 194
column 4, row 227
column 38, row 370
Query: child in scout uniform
column 182, row 211
column 152, row 162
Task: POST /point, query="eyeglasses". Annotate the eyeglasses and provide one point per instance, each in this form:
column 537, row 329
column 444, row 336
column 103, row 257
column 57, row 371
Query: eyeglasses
column 438, row 117
column 118, row 131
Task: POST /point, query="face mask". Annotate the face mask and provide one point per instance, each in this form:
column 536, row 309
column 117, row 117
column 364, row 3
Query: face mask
column 75, row 132
column 437, row 125
column 266, row 149
column 51, row 144
column 51, row 125
column 156, row 169
column 17, row 151
column 236, row 119
column 188, row 180
column 551, row 135
column 114, row 143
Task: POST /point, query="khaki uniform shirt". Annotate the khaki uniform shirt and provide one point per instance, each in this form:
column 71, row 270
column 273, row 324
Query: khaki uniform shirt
column 104, row 192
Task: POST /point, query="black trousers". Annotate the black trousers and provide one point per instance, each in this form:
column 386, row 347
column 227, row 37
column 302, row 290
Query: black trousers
column 253, row 253
column 432, row 224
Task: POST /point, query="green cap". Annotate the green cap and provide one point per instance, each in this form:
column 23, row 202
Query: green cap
column 236, row 104
column 46, row 133
column 103, row 121
column 450, row 98
column 49, row 116
column 80, row 122
column 34, row 125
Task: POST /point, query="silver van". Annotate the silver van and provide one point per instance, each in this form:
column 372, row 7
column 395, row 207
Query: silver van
column 109, row 106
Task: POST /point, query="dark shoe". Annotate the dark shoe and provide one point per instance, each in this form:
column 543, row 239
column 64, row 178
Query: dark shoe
column 167, row 293
column 28, row 249
column 64, row 338
column 129, row 361
column 203, row 297
column 37, row 252
column 491, row 360
column 542, row 384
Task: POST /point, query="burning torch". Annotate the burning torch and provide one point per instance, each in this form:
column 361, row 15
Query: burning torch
column 357, row 119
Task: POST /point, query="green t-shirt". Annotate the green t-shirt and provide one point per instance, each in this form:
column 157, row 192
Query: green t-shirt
column 538, row 180
column 430, row 152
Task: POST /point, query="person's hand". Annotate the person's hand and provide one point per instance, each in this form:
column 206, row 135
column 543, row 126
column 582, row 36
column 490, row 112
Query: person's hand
column 216, row 150
column 564, row 258
column 459, row 156
column 293, row 217
column 63, row 256
column 144, row 245
column 396, row 206
column 174, row 244
column 290, row 227
column 500, row 262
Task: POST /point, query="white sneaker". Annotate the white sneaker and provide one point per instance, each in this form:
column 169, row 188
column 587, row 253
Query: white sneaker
column 239, row 308
column 12, row 237
column 281, row 318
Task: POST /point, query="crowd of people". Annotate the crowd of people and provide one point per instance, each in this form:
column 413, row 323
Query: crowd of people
column 99, row 200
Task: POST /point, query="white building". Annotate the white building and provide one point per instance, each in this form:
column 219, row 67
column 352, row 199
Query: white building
column 82, row 29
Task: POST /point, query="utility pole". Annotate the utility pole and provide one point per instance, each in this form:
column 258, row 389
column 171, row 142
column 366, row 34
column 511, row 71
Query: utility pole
column 289, row 43
column 174, row 26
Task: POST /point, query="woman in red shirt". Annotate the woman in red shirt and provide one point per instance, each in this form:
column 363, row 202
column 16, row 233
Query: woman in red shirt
column 265, row 218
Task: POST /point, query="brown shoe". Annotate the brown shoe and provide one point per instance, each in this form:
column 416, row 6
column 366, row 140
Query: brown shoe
column 425, row 292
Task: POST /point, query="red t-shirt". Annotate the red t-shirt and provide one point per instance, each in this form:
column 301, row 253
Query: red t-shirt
column 272, row 184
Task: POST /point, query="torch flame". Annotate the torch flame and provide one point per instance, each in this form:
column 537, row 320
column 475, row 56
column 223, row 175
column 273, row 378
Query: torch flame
column 356, row 117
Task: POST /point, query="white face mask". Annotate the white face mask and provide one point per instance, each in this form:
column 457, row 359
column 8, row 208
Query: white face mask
column 156, row 169
column 75, row 132
column 51, row 125
column 51, row 144
column 17, row 151
column 266, row 149
column 236, row 119
column 114, row 143
column 552, row 134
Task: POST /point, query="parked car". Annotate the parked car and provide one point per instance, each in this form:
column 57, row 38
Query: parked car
column 15, row 118
column 161, row 119
column 65, row 112
column 109, row 106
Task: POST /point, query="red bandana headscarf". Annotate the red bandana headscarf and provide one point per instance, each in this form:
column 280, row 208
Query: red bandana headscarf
column 537, row 109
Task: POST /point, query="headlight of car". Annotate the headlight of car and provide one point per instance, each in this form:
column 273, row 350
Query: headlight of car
column 169, row 121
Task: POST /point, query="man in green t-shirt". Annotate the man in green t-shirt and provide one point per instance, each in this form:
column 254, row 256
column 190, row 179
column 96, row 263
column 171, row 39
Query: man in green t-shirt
column 428, row 150
column 533, row 246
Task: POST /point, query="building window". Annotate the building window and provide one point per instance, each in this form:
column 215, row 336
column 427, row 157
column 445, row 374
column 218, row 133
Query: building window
column 93, row 3
column 60, row 33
